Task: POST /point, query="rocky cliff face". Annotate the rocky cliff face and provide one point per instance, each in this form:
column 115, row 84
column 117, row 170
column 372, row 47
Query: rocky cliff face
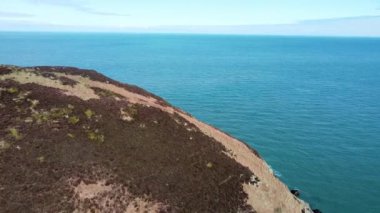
column 75, row 141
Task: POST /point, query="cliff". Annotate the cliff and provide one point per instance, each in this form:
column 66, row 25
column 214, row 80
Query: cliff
column 73, row 140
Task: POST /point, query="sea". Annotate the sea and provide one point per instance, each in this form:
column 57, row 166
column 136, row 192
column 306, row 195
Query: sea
column 309, row 105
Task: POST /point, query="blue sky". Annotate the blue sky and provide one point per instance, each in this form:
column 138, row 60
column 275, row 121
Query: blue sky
column 287, row 17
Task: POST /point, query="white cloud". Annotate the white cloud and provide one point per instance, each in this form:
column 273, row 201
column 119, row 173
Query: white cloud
column 6, row 14
column 76, row 5
column 348, row 26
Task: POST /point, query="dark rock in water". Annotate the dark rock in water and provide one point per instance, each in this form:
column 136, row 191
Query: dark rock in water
column 295, row 192
column 316, row 211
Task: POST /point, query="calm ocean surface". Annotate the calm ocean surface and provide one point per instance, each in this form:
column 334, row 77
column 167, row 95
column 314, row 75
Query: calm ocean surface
column 310, row 106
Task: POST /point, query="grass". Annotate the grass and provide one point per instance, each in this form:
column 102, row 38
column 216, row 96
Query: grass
column 40, row 117
column 41, row 159
column 28, row 120
column 4, row 145
column 89, row 113
column 95, row 136
column 15, row 134
column 53, row 114
column 59, row 113
column 106, row 93
column 129, row 113
column 33, row 103
column 73, row 120
column 70, row 135
column 12, row 90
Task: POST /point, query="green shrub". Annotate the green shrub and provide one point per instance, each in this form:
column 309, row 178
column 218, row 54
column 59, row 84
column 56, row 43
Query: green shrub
column 89, row 113
column 15, row 134
column 73, row 120
column 95, row 136
column 12, row 90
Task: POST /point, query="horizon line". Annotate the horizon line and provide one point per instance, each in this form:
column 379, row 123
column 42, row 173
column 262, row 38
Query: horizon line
column 187, row 33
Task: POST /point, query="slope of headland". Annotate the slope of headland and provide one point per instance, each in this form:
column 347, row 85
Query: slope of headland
column 74, row 140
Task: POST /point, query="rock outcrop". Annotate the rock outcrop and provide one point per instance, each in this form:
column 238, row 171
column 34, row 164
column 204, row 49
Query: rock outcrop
column 73, row 140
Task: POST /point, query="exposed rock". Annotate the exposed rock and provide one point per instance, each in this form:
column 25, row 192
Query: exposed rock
column 295, row 192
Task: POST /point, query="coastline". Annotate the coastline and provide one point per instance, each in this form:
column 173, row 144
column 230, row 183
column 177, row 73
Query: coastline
column 269, row 193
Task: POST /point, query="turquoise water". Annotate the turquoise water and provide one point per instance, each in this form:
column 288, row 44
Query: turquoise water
column 310, row 106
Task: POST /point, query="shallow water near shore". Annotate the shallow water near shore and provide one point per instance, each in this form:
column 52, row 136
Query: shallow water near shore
column 310, row 106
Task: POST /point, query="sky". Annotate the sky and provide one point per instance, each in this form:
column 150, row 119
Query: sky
column 269, row 17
